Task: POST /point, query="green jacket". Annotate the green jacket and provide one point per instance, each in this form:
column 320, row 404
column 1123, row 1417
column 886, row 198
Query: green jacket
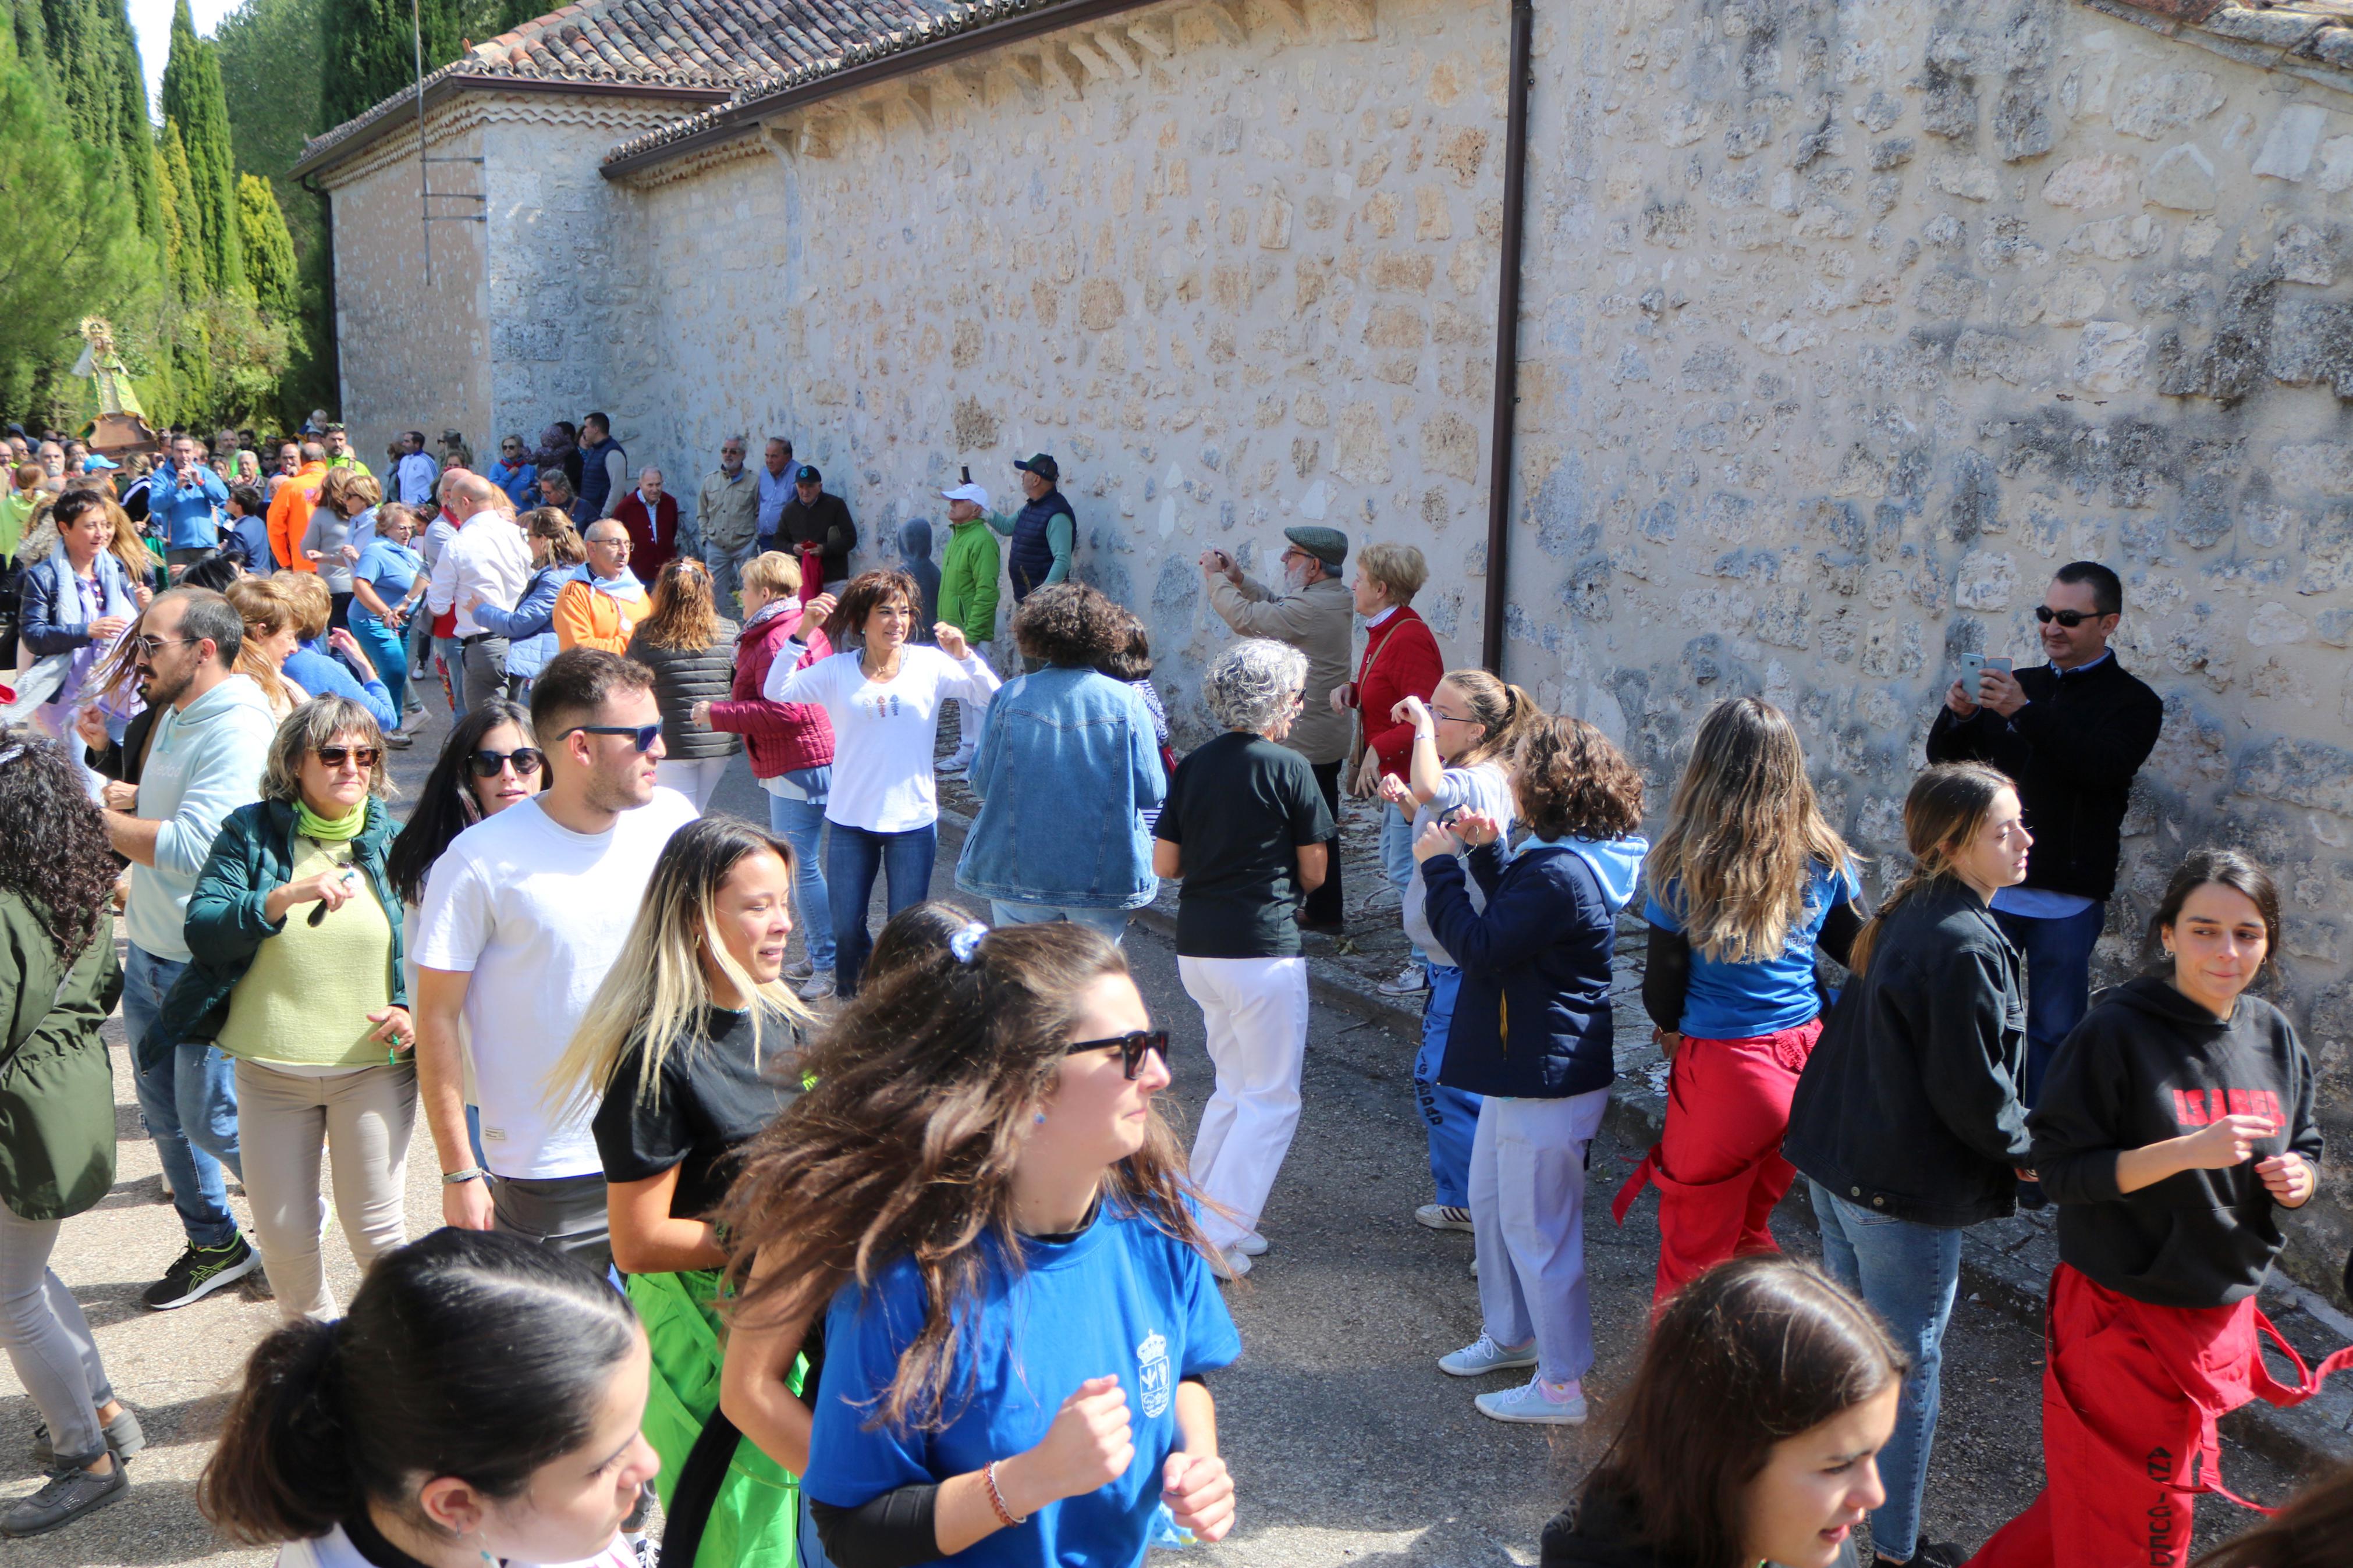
column 57, row 1087
column 968, row 581
column 253, row 858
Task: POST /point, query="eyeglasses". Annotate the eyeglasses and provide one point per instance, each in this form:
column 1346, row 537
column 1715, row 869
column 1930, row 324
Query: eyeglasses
column 336, row 756
column 643, row 735
column 1130, row 1047
column 1450, row 717
column 491, row 765
column 2071, row 619
column 149, row 646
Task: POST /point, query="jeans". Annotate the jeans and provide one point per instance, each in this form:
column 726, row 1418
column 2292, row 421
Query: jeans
column 852, row 861
column 453, row 664
column 189, row 1103
column 1112, row 924
column 1322, row 907
column 727, row 572
column 1528, row 1217
column 49, row 1340
column 1397, row 859
column 388, row 654
column 1452, row 1114
column 1908, row 1274
column 801, row 824
column 2058, row 981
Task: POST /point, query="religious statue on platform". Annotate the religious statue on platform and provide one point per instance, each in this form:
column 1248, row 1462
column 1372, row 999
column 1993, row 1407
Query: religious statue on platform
column 121, row 424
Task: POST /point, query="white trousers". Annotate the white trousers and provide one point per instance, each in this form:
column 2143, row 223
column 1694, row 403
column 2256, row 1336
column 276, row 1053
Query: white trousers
column 693, row 777
column 1527, row 1215
column 1255, row 1013
column 970, row 716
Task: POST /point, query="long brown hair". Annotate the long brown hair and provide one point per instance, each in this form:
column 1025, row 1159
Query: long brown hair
column 2309, row 1532
column 1753, row 1352
column 682, row 616
column 905, row 1146
column 266, row 610
column 1744, row 835
column 1503, row 713
column 1946, row 805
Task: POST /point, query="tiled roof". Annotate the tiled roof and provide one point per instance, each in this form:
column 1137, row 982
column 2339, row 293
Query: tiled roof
column 713, row 44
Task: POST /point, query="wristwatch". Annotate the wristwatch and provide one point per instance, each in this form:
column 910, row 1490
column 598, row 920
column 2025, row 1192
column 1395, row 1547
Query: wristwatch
column 459, row 1178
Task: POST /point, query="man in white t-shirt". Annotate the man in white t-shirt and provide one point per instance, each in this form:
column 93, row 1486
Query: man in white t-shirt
column 523, row 915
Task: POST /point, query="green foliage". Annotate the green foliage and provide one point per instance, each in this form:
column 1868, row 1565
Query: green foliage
column 191, row 97
column 183, row 222
column 270, row 52
column 370, row 50
column 269, row 250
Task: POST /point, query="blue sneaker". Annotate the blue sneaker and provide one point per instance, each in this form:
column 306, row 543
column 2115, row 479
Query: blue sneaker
column 1529, row 1405
column 1485, row 1356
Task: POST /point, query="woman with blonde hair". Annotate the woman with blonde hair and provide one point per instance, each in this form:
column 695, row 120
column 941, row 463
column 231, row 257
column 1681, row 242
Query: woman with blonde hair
column 690, row 648
column 130, row 546
column 271, row 636
column 692, row 1043
column 1747, row 882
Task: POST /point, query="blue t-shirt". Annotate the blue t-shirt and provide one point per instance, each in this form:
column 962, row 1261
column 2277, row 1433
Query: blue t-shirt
column 1742, row 1001
column 1123, row 1298
column 390, row 569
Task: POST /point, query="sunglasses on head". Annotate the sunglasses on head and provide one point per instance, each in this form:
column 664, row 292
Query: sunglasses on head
column 489, row 764
column 642, row 735
column 1130, row 1047
column 336, row 756
column 2071, row 619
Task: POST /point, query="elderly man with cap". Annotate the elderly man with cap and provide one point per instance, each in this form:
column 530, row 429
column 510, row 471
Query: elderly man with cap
column 1313, row 613
column 969, row 598
column 1043, row 532
column 816, row 523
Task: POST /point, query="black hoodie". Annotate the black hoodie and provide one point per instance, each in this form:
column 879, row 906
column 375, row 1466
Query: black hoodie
column 1599, row 1531
column 2146, row 1065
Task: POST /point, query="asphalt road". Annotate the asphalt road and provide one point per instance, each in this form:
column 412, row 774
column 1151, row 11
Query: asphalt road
column 1348, row 1445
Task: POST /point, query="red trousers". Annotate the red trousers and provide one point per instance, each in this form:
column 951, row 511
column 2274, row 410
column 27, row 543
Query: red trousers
column 2131, row 1397
column 1717, row 1164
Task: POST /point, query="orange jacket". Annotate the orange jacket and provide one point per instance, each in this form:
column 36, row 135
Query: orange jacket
column 290, row 515
column 587, row 618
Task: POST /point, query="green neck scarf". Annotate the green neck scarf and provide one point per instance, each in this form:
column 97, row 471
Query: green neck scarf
column 330, row 829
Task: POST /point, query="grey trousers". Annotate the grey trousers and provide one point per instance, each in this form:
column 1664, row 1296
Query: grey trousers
column 1527, row 1215
column 49, row 1340
column 563, row 1214
column 486, row 670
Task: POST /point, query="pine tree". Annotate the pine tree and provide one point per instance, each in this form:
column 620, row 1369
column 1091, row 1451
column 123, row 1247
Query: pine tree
column 192, row 99
column 269, row 251
column 370, row 50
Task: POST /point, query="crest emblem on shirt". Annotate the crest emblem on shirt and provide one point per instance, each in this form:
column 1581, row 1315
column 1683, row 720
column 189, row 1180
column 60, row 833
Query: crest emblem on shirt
column 1152, row 1375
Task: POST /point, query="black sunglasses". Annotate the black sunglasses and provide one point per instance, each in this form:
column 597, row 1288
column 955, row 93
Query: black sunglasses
column 1132, row 1046
column 336, row 756
column 489, row 764
column 2071, row 619
column 644, row 735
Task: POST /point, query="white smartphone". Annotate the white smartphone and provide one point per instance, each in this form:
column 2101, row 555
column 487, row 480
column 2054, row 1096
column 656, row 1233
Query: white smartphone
column 1974, row 665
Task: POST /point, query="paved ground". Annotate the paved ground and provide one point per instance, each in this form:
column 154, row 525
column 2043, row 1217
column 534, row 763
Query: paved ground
column 1349, row 1446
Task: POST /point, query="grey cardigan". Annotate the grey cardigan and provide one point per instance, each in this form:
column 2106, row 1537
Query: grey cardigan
column 684, row 677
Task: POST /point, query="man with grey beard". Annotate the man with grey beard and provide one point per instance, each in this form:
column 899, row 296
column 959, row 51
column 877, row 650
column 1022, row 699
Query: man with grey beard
column 1314, row 613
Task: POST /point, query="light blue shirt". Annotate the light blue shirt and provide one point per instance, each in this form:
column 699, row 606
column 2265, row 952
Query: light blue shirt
column 775, row 489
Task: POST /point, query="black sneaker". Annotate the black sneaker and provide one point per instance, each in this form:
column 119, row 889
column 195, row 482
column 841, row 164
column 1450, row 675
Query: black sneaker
column 70, row 1493
column 124, row 1439
column 199, row 1272
column 1935, row 1554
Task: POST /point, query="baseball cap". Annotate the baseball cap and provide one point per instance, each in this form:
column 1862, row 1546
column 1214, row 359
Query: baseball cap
column 977, row 494
column 1044, row 467
column 808, row 475
column 92, row 463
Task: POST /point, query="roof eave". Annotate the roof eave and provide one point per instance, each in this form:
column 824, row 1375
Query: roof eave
column 441, row 88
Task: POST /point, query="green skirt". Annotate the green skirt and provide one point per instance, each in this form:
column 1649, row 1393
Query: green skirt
column 755, row 1523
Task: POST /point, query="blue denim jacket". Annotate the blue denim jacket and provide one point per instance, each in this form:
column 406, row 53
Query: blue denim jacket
column 1066, row 768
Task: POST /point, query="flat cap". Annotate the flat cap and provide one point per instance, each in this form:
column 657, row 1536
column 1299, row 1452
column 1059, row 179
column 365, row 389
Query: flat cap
column 1329, row 545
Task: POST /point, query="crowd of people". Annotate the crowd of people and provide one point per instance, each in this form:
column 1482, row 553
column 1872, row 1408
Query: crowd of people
column 879, row 1248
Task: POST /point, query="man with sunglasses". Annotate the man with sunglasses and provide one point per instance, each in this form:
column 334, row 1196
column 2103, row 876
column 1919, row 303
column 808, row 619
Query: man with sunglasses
column 205, row 760
column 523, row 914
column 2072, row 733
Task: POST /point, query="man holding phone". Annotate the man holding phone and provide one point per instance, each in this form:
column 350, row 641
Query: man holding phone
column 2072, row 733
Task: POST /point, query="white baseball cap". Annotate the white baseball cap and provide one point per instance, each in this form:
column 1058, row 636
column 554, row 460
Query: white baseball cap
column 977, row 494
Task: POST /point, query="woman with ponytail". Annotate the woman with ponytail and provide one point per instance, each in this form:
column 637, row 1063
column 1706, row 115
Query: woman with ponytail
column 1906, row 1122
column 1462, row 738
column 479, row 1403
column 693, row 1044
column 1747, row 883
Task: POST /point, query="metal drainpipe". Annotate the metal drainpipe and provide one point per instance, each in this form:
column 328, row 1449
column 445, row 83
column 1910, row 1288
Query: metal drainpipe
column 1507, row 341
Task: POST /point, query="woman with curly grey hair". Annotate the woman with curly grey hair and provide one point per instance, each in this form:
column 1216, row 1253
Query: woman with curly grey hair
column 1244, row 830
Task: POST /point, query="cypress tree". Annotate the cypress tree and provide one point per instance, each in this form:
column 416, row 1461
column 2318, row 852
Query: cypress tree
column 183, row 233
column 192, row 99
column 269, row 251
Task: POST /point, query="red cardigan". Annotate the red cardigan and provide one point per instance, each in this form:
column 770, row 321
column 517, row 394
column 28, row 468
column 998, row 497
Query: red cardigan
column 782, row 737
column 1401, row 659
column 653, row 539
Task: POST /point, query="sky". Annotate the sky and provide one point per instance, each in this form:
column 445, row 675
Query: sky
column 151, row 20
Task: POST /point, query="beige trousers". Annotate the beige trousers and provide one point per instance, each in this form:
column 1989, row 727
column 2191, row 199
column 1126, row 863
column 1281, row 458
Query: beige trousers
column 363, row 1118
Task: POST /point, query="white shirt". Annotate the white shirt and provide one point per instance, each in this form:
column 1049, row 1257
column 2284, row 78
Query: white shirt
column 334, row 1550
column 487, row 561
column 537, row 914
column 415, row 475
column 883, row 730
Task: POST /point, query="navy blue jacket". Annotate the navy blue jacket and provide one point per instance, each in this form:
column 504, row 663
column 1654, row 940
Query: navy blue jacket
column 1029, row 557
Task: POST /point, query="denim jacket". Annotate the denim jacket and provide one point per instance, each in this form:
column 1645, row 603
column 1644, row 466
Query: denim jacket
column 1067, row 766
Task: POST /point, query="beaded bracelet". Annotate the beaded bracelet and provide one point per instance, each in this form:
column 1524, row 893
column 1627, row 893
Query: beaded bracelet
column 996, row 1499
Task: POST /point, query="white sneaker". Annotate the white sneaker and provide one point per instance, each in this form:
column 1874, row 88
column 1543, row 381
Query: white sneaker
column 1483, row 1355
column 956, row 765
column 1252, row 1246
column 1410, row 981
column 1474, row 1267
column 1236, row 1262
column 1442, row 1216
column 1530, row 1405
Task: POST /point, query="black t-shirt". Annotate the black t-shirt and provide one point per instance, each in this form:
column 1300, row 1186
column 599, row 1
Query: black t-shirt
column 1241, row 806
column 712, row 1099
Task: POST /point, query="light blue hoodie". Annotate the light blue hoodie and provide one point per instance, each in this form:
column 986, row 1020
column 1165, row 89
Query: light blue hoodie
column 205, row 760
column 1617, row 863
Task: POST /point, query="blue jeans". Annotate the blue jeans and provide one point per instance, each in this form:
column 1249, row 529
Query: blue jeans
column 801, row 824
column 453, row 663
column 1907, row 1273
column 189, row 1103
column 2058, row 981
column 1397, row 859
column 1112, row 924
column 1452, row 1114
column 853, row 858
column 388, row 654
